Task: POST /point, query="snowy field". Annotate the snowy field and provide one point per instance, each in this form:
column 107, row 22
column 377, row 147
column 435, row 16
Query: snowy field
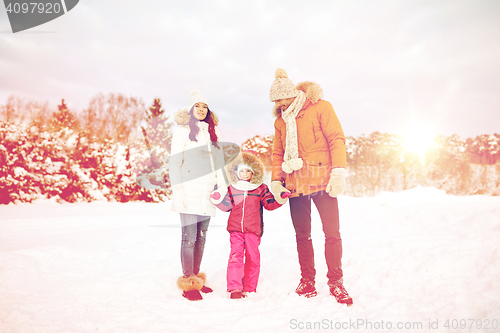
column 414, row 261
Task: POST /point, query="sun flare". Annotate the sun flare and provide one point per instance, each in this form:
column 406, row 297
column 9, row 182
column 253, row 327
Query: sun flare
column 418, row 139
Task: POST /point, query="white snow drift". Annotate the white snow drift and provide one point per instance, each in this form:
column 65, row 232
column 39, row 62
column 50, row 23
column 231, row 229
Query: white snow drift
column 418, row 260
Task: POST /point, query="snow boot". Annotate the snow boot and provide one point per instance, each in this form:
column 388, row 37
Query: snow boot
column 237, row 294
column 190, row 286
column 306, row 288
column 192, row 295
column 338, row 291
column 204, row 289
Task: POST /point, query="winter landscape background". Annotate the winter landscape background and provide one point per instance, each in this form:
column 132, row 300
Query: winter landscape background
column 87, row 239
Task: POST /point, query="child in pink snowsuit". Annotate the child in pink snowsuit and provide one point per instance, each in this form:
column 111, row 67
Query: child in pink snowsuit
column 245, row 198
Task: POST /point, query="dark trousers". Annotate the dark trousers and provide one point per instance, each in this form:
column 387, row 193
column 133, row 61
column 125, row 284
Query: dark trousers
column 300, row 210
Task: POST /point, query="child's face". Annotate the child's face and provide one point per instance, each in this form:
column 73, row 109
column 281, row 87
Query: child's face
column 245, row 174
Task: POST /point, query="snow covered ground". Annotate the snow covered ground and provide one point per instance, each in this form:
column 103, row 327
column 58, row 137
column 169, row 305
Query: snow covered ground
column 414, row 261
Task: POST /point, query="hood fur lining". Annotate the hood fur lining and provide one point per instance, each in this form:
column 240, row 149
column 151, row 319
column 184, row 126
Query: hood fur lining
column 181, row 116
column 250, row 159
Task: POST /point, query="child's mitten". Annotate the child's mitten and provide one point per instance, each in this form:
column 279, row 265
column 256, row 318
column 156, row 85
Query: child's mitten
column 218, row 195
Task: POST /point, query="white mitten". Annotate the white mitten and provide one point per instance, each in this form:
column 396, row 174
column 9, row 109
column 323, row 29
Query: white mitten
column 277, row 190
column 337, row 184
column 218, row 195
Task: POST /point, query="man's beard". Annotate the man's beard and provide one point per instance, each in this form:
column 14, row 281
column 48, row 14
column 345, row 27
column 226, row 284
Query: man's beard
column 283, row 108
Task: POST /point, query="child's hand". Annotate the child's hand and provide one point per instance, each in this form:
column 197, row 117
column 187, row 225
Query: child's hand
column 285, row 195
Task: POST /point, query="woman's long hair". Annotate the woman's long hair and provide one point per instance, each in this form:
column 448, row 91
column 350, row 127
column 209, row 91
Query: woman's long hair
column 210, row 120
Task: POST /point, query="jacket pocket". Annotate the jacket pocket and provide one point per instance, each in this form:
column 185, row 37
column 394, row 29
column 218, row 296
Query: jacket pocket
column 318, row 174
column 310, row 178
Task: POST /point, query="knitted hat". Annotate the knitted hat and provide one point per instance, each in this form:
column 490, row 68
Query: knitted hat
column 243, row 166
column 196, row 97
column 282, row 87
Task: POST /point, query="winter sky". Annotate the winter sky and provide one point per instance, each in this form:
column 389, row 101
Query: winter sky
column 384, row 65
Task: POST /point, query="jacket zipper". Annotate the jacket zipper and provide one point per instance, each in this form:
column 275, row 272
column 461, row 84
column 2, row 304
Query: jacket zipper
column 243, row 213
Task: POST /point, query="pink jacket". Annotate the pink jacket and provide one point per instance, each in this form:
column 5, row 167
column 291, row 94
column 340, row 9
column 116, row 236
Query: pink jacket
column 245, row 202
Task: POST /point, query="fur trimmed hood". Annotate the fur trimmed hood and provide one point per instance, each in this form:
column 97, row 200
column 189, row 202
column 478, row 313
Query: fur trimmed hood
column 182, row 117
column 250, row 159
column 313, row 92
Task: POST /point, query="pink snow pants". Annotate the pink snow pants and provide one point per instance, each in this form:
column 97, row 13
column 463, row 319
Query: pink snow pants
column 243, row 267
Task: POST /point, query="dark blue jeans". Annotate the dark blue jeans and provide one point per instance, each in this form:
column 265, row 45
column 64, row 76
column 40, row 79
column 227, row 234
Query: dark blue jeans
column 194, row 234
column 300, row 210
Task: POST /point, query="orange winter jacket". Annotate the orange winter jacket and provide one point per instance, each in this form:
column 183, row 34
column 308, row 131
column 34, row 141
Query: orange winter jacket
column 321, row 145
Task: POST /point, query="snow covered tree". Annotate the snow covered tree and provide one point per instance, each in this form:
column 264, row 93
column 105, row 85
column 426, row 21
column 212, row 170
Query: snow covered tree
column 263, row 146
column 448, row 167
column 156, row 141
column 374, row 163
column 484, row 149
column 158, row 126
column 66, row 166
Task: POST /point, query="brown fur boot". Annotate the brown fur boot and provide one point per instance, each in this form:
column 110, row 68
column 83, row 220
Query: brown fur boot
column 191, row 287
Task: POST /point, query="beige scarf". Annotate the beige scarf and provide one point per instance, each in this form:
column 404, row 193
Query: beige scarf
column 292, row 161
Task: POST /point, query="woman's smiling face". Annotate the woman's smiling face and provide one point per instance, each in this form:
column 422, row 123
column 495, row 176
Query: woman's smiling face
column 200, row 111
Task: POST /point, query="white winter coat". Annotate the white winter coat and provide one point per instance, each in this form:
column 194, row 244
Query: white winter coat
column 191, row 169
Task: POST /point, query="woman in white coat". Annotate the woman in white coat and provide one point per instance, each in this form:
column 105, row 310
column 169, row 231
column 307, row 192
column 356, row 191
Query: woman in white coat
column 194, row 159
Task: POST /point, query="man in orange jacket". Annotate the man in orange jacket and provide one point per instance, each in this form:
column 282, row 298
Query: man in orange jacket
column 309, row 161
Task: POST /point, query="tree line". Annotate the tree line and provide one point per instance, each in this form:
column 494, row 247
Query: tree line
column 113, row 116
column 117, row 149
column 380, row 162
column 100, row 153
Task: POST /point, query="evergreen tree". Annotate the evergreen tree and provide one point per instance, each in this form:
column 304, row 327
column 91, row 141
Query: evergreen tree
column 157, row 129
column 157, row 134
column 63, row 118
column 155, row 110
